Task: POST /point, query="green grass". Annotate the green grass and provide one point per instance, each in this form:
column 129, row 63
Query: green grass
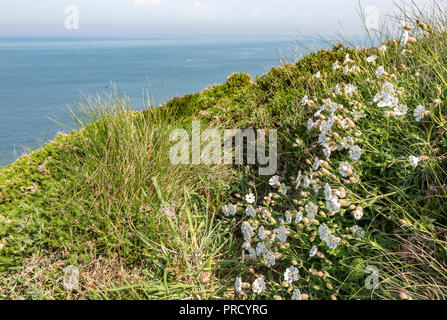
column 107, row 194
column 105, row 198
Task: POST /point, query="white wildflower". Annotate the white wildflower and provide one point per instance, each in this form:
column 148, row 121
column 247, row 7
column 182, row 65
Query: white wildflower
column 336, row 89
column 305, row 100
column 288, row 217
column 386, row 97
column 355, row 152
column 260, row 248
column 247, row 231
column 327, row 191
column 359, row 231
column 250, row 211
column 346, row 142
column 345, row 169
column 313, row 251
column 323, row 231
column 346, row 70
column 283, row 189
column 281, row 234
column 345, row 124
column 298, row 180
column 264, row 212
column 258, row 286
column 332, row 242
column 380, row 71
column 317, row 75
column 229, row 209
column 414, row 161
column 333, row 204
column 405, row 37
column 326, row 125
column 350, row 89
column 296, row 295
column 269, row 258
column 311, row 208
column 358, row 214
column 383, row 48
column 299, row 217
column 310, row 124
column 371, row 58
column 347, row 59
column 238, row 285
column 291, row 275
column 317, row 114
column 322, row 139
column 274, row 180
column 316, row 164
column 400, row 110
column 250, row 249
column 327, row 152
column 262, row 234
column 306, row 182
column 419, row 113
column 250, row 198
column 336, row 65
column 358, row 114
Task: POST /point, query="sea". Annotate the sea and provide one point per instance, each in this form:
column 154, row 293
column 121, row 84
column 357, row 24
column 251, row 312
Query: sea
column 41, row 77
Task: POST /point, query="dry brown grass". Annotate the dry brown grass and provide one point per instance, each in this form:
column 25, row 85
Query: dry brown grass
column 419, row 269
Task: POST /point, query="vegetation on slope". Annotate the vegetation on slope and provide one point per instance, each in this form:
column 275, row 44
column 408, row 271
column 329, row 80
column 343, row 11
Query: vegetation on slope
column 107, row 200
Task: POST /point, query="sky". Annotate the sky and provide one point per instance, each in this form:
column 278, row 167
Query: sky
column 155, row 17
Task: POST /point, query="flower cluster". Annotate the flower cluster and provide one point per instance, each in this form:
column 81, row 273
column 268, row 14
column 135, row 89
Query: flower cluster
column 317, row 212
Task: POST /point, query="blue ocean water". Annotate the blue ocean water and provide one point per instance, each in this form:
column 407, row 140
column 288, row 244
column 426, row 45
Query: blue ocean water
column 40, row 77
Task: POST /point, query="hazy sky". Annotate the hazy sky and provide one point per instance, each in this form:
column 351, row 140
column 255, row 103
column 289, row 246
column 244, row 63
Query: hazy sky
column 151, row 17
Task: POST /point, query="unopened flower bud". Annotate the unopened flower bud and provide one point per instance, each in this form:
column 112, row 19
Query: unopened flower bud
column 411, row 40
column 435, row 103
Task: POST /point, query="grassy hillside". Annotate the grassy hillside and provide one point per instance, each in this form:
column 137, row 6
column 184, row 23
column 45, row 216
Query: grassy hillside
column 360, row 189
